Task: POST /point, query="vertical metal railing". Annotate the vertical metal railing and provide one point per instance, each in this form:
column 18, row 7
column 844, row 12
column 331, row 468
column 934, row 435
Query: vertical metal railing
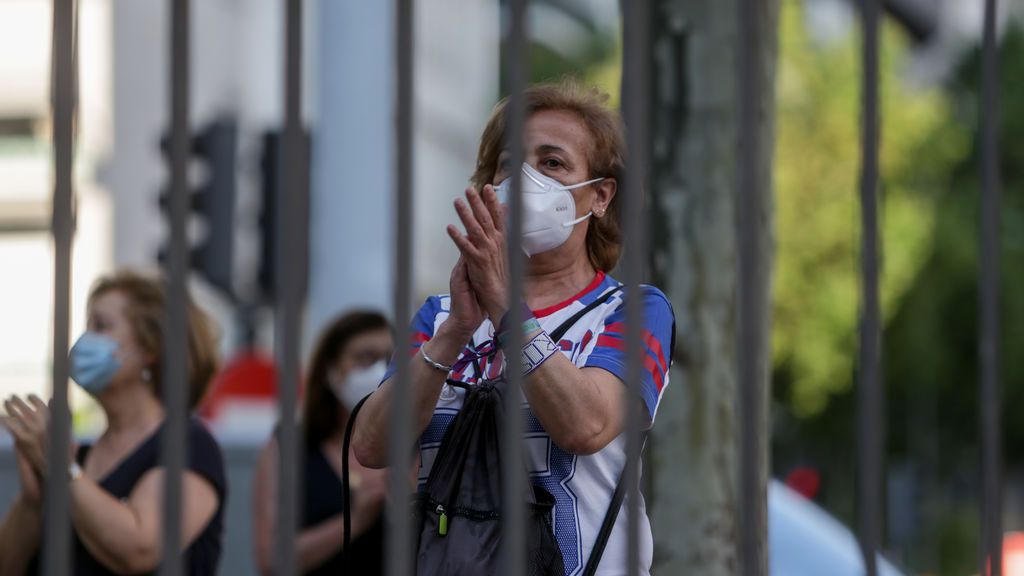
column 175, row 365
column 399, row 560
column 749, row 211
column 57, row 538
column 291, row 267
column 991, row 448
column 636, row 63
column 513, row 480
column 292, row 273
column 870, row 416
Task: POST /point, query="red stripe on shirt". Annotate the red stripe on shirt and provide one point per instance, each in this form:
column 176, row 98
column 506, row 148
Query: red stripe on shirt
column 655, row 345
column 611, row 342
column 616, row 327
column 650, row 364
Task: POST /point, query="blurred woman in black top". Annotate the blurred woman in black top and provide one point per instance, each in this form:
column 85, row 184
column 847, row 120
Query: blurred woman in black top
column 348, row 362
column 116, row 484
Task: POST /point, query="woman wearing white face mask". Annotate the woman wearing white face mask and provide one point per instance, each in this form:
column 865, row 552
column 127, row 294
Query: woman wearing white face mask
column 574, row 388
column 116, row 484
column 348, row 363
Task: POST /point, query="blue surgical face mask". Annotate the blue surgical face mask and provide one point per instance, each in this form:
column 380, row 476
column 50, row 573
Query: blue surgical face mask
column 94, row 362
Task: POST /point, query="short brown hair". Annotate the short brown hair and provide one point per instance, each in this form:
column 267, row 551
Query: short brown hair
column 605, row 157
column 320, row 416
column 146, row 316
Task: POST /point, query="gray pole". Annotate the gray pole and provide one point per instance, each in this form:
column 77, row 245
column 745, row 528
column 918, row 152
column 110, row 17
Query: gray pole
column 175, row 314
column 870, row 415
column 752, row 353
column 57, row 541
column 635, row 110
column 292, row 281
column 991, row 449
column 399, row 545
column 513, row 473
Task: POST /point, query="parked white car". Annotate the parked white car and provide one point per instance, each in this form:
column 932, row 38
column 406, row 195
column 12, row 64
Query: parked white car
column 804, row 540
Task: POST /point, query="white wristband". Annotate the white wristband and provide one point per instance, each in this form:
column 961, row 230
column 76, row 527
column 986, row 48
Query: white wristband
column 537, row 351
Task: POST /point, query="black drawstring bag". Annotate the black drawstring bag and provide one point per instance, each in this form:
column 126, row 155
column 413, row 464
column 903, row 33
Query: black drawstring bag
column 458, row 513
column 456, row 518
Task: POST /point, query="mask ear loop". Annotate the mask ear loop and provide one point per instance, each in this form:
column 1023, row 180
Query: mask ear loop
column 572, row 223
column 582, row 184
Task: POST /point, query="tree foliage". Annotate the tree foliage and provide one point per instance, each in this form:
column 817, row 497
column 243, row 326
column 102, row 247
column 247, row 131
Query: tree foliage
column 817, row 197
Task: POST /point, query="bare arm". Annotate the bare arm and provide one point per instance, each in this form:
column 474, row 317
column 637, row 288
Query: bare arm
column 371, row 435
column 317, row 543
column 580, row 408
column 19, row 537
column 126, row 536
column 20, row 531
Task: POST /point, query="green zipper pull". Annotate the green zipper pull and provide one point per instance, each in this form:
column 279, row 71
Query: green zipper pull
column 442, row 525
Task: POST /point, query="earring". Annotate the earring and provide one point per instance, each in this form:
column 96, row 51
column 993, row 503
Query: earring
column 147, row 376
column 599, row 213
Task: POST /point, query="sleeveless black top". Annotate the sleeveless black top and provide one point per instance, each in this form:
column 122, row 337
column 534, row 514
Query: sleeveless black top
column 322, row 500
column 204, row 458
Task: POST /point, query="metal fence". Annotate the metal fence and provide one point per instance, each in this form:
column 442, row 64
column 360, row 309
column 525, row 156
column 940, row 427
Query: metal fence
column 293, row 249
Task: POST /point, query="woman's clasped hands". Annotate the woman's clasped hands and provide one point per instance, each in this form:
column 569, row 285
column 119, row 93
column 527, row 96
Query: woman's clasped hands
column 480, row 277
column 28, row 423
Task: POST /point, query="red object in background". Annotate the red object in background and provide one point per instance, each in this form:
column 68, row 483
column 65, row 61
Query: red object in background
column 250, row 376
column 1013, row 554
column 805, row 481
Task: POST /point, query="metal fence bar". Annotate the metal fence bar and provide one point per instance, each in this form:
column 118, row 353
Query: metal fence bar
column 292, row 273
column 870, row 416
column 175, row 365
column 513, row 474
column 57, row 538
column 749, row 208
column 635, row 106
column 991, row 449
column 399, row 544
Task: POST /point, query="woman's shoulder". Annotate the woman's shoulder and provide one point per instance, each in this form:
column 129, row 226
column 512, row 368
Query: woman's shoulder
column 437, row 303
column 204, row 454
column 651, row 295
column 433, row 307
column 200, row 435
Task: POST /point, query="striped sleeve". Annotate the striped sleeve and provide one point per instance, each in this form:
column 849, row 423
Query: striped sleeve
column 658, row 335
column 421, row 329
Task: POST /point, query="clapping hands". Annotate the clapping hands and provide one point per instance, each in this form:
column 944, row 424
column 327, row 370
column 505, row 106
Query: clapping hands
column 482, row 269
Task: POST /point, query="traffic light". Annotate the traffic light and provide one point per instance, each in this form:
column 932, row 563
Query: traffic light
column 271, row 168
column 214, row 202
column 272, row 190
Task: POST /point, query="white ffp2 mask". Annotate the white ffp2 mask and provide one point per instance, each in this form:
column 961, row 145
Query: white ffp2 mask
column 549, row 210
column 359, row 383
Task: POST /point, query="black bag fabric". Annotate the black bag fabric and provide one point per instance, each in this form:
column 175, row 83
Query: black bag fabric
column 459, row 509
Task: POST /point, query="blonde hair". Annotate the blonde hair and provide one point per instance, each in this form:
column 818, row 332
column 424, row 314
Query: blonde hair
column 605, row 153
column 146, row 316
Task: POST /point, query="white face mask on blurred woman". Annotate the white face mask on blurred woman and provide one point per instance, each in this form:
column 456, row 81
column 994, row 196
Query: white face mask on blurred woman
column 549, row 210
column 358, row 384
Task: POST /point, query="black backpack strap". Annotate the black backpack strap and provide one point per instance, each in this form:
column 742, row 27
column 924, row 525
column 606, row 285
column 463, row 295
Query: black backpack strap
column 557, row 334
column 346, row 492
column 609, row 517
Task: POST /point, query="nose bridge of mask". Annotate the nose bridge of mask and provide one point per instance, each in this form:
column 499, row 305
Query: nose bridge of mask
column 549, row 184
column 543, row 182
